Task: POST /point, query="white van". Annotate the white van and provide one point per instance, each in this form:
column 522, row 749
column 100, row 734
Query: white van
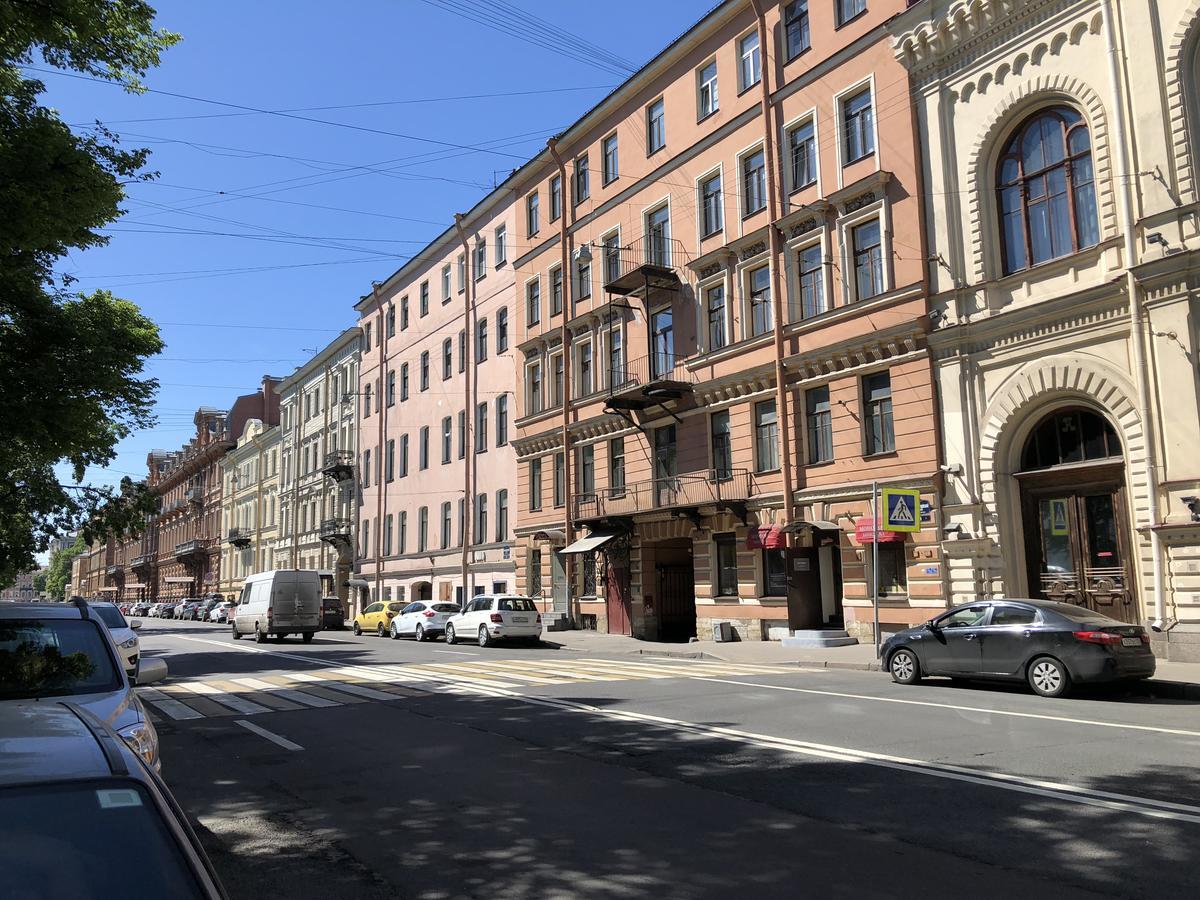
column 281, row 602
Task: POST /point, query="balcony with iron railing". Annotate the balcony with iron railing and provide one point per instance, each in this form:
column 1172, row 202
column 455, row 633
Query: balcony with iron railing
column 194, row 547
column 689, row 490
column 649, row 380
column 339, row 465
column 643, row 266
column 142, row 562
column 114, row 570
column 239, row 537
column 194, row 495
column 336, row 532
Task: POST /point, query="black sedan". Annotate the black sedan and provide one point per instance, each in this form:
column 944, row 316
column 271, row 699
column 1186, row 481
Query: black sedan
column 1047, row 644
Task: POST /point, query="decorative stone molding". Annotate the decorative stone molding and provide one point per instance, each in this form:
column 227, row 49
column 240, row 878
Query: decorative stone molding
column 710, row 271
column 753, row 250
column 1180, row 83
column 804, row 228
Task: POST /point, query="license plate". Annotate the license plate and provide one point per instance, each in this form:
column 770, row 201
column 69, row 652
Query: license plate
column 1131, row 642
column 520, row 618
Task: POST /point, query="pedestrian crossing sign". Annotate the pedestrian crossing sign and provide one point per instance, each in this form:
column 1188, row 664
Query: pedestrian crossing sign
column 901, row 510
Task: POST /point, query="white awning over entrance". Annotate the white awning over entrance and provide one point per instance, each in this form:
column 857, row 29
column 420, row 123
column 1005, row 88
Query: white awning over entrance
column 178, row 579
column 593, row 541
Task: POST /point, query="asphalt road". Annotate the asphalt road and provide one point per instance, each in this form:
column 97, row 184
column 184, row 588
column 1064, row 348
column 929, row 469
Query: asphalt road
column 364, row 767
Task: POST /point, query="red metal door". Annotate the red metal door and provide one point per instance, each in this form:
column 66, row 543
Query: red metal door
column 617, row 603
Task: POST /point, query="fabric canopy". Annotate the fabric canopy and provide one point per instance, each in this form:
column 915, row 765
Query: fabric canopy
column 864, row 531
column 799, row 525
column 178, row 579
column 130, row 585
column 592, row 542
column 106, row 590
column 552, row 535
column 765, row 537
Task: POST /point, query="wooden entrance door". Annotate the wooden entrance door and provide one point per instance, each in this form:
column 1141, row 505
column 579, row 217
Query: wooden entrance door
column 804, row 587
column 676, row 603
column 1077, row 548
column 617, row 599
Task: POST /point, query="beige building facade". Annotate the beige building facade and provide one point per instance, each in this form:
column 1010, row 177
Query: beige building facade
column 1062, row 234
column 249, row 505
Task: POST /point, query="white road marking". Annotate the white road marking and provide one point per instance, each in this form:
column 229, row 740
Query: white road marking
column 225, row 698
column 334, row 684
column 172, row 708
column 457, row 652
column 976, row 709
column 286, row 693
column 269, row 735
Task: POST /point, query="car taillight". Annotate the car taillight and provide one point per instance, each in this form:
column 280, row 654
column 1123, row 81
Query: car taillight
column 270, row 613
column 390, row 614
column 1145, row 637
column 497, row 618
column 539, row 618
column 1097, row 637
column 429, row 614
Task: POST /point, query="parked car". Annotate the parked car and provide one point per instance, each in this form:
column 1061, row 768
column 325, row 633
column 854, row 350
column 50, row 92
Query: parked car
column 178, row 610
column 206, row 607
column 422, row 620
column 1047, row 644
column 64, row 652
column 124, row 633
column 153, row 610
column 77, row 799
column 489, row 618
column 332, row 615
column 377, row 617
column 221, row 612
column 279, row 602
column 191, row 610
column 141, row 608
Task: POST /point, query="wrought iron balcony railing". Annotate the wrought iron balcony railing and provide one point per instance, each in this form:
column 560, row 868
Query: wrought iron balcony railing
column 647, row 264
column 339, row 465
column 336, row 531
column 191, row 548
column 691, row 489
column 239, row 537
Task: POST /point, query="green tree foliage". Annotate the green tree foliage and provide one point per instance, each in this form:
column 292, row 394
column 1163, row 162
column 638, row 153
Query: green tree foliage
column 58, row 573
column 72, row 386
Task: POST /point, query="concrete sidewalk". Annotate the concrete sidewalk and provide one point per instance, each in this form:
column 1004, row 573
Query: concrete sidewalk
column 1173, row 680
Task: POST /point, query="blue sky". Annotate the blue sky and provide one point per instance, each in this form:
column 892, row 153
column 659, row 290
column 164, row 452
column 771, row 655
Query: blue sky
column 279, row 273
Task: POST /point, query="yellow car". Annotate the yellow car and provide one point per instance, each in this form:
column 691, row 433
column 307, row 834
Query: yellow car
column 377, row 617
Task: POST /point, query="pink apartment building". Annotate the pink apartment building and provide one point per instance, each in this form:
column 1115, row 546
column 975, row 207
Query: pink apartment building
column 436, row 381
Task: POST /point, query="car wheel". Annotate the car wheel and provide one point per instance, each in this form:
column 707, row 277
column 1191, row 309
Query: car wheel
column 905, row 667
column 258, row 634
column 357, row 630
column 420, row 633
column 485, row 639
column 237, row 635
column 395, row 634
column 380, row 630
column 450, row 638
column 1048, row 677
column 308, row 636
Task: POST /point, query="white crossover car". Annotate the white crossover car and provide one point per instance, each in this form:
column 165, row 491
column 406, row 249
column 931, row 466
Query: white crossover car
column 422, row 620
column 489, row 618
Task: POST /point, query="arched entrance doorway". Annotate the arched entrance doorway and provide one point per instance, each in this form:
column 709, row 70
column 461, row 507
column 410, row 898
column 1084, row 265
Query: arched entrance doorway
column 1075, row 514
column 422, row 591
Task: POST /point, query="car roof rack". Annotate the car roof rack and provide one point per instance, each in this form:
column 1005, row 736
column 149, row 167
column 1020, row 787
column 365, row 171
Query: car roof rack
column 82, row 605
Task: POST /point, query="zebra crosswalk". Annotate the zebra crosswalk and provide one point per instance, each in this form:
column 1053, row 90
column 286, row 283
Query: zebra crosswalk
column 244, row 695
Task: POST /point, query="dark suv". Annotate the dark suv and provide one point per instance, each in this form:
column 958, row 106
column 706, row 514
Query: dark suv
column 332, row 615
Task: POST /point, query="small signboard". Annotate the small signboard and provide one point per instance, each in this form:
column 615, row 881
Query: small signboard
column 901, row 510
column 1058, row 517
column 926, row 512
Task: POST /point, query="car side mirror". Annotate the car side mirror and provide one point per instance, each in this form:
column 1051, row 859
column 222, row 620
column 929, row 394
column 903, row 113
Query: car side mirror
column 933, row 626
column 151, row 670
column 135, row 624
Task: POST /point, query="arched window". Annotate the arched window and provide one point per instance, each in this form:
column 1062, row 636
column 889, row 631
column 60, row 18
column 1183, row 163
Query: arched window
column 1070, row 436
column 1046, row 188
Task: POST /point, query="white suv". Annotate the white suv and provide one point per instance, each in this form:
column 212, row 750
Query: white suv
column 489, row 618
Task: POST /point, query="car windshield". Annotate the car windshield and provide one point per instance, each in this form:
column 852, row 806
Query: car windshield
column 445, row 607
column 53, row 657
column 516, row 604
column 62, row 841
column 110, row 616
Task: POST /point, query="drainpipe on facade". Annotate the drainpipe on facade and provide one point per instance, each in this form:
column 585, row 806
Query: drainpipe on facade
column 783, row 418
column 258, row 523
column 469, row 373
column 1136, row 324
column 294, row 561
column 381, row 411
column 568, row 305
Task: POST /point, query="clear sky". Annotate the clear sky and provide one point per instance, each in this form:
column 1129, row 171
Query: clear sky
column 252, row 280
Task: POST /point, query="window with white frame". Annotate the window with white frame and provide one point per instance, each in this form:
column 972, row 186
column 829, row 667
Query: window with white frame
column 501, row 245
column 462, row 350
column 481, row 519
column 533, row 388
column 658, row 237
column 447, row 439
column 616, row 358
column 802, row 147
column 583, row 280
column 535, row 484
column 879, row 434
column 480, row 259
column 555, row 197
column 712, row 205
column 501, row 420
column 810, row 273
column 759, row 284
column 556, row 291
column 423, row 529
column 502, row 515
column 557, row 378
column 447, row 525
column 849, row 9
column 403, row 313
column 481, row 427
column 423, row 448
column 609, row 161
column 819, row 420
column 867, row 248
column 425, row 371
column 754, row 182
column 533, row 303
column 616, row 467
column 462, row 272
column 858, row 126
column 403, row 456
column 795, row 27
column 560, row 479
column 707, row 100
column 718, row 314
column 481, row 341
column 462, row 434
column 656, row 126
column 445, row 282
column 766, row 436
column 582, row 182
column 583, row 368
column 749, row 61
column 447, row 359
column 424, row 299
column 531, row 214
column 502, row 329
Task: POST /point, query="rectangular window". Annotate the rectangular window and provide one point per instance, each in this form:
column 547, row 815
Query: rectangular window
column 481, row 519
column 712, row 206
column 391, row 321
column 533, row 303
column 462, row 522
column 462, row 350
column 462, row 433
column 447, row 526
column 481, row 341
column 367, row 336
column 849, row 9
column 423, row 448
column 389, row 464
column 556, row 384
column 556, row 291
column 754, row 183
column 423, row 529
column 893, row 569
column 858, row 125
column 749, row 62
column 424, row 298
column 616, row 359
column 501, row 420
column 366, row 469
column 810, row 266
column 587, row 469
column 820, row 425
column 502, row 330
column 447, row 359
column 726, row 564
column 403, row 382
column 481, row 422
column 583, row 376
column 612, row 258
column 555, row 197
column 610, row 162
column 708, row 101
column 802, row 143
column 560, row 479
column 403, row 313
column 722, row 445
column 447, row 439
column 582, row 189
column 760, row 301
column 404, row 456
column 656, row 126
column 774, row 573
column 367, row 402
column 391, row 388
column 658, row 237
column 766, row 433
column 535, row 484
column 501, row 515
column 480, row 259
column 616, row 467
column 795, row 26
column 868, row 260
column 501, row 244
column 366, row 537
column 583, row 287
column 425, row 371
column 445, row 282
column 402, row 547
column 715, row 304
column 387, row 535
column 531, row 214
column 461, row 267
column 533, row 389
column 877, row 413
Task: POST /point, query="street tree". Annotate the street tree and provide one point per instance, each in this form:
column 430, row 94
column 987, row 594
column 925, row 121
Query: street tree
column 73, row 362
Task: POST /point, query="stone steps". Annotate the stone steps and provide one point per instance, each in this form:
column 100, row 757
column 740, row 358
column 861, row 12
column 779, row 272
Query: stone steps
column 819, row 637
